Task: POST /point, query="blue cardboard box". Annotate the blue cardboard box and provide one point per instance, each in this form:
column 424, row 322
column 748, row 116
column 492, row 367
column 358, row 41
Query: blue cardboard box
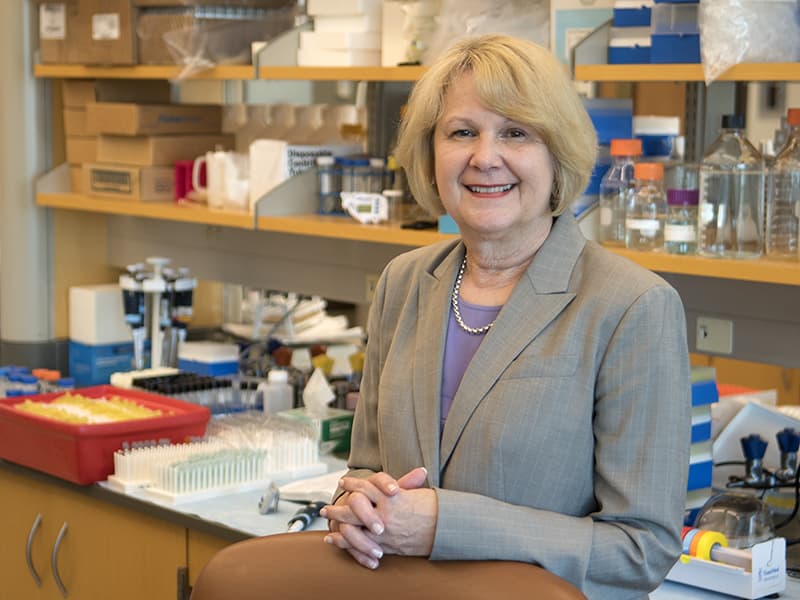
column 91, row 364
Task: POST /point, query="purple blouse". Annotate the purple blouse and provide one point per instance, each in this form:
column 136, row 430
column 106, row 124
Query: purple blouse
column 460, row 347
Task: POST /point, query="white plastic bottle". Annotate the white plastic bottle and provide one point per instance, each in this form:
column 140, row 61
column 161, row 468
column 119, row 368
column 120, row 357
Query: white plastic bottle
column 278, row 392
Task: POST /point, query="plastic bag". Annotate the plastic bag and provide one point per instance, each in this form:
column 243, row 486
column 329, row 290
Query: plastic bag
column 527, row 19
column 736, row 31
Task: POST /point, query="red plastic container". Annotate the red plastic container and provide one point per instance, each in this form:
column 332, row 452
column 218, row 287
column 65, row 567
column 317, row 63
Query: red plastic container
column 85, row 453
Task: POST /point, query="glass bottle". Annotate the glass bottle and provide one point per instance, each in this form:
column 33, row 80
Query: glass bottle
column 680, row 226
column 646, row 209
column 731, row 209
column 783, row 196
column 614, row 188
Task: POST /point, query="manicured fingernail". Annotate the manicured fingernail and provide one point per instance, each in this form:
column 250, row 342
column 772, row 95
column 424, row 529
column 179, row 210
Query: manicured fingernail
column 328, row 539
column 341, row 483
column 372, row 564
column 376, row 553
column 324, row 513
column 424, row 469
column 377, row 528
column 393, row 487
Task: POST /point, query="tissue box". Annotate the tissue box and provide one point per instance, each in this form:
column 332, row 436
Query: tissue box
column 333, row 427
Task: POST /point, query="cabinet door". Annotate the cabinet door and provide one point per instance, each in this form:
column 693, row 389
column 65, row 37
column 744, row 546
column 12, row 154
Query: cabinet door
column 22, row 499
column 113, row 552
column 200, row 548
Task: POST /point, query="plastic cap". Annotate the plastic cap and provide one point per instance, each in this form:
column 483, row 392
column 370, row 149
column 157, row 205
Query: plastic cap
column 377, row 161
column 733, row 121
column 682, row 197
column 28, row 379
column 626, row 147
column 793, row 117
column 392, row 193
column 66, row 382
column 648, row 171
column 325, row 161
column 278, row 376
column 650, row 125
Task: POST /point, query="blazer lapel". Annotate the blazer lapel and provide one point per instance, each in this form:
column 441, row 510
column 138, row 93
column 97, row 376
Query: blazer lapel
column 434, row 302
column 538, row 298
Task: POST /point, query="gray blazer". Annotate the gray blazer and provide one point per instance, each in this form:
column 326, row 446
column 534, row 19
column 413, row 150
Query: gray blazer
column 567, row 444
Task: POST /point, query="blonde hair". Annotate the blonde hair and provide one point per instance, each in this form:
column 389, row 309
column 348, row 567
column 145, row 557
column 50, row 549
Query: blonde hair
column 517, row 79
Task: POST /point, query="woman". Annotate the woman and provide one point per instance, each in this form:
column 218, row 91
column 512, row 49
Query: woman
column 526, row 393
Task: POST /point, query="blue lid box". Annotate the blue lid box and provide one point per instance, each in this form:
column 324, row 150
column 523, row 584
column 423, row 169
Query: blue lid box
column 632, row 13
column 629, row 46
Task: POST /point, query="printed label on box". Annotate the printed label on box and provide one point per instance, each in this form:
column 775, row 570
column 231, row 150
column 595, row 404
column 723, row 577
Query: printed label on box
column 111, row 181
column 105, row 26
column 53, row 21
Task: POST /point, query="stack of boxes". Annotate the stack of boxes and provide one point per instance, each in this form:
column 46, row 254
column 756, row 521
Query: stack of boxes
column 347, row 33
column 77, row 94
column 704, row 394
column 674, row 32
column 630, row 36
column 138, row 145
column 100, row 342
column 127, row 32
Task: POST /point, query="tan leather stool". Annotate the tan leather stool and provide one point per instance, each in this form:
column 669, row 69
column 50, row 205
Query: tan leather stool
column 300, row 566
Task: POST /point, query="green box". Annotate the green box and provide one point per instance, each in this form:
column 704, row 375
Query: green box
column 333, row 428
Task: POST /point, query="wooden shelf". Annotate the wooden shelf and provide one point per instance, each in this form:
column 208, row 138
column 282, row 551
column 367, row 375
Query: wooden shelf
column 344, row 228
column 139, row 72
column 170, row 211
column 687, row 72
column 759, row 270
column 241, row 72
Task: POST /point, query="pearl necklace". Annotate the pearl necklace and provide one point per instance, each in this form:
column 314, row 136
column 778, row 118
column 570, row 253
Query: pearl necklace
column 457, row 311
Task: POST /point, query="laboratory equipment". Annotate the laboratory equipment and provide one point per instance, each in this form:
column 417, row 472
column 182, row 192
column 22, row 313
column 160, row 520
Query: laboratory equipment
column 278, row 392
column 366, row 207
column 163, row 298
column 731, row 206
column 305, row 516
column 614, row 189
column 783, row 196
column 680, row 227
column 646, row 209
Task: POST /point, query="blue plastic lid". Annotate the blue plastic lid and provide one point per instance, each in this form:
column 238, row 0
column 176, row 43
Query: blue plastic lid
column 353, row 161
column 65, row 382
column 28, row 379
column 4, row 371
column 16, row 393
column 20, row 370
column 14, row 377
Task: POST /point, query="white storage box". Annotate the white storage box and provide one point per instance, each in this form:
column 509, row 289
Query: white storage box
column 354, row 24
column 96, row 316
column 338, row 58
column 339, row 40
column 343, row 7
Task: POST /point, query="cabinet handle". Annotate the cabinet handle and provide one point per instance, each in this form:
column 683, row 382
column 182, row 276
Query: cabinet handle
column 54, row 560
column 34, row 528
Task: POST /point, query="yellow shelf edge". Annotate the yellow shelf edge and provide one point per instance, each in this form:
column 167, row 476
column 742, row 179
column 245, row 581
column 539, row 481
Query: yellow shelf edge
column 760, row 270
column 166, row 210
column 687, row 72
column 343, row 228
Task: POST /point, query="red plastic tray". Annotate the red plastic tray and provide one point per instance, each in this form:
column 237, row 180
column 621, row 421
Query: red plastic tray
column 84, row 453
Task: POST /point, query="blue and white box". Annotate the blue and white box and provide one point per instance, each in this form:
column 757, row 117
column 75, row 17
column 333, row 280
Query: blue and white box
column 209, row 358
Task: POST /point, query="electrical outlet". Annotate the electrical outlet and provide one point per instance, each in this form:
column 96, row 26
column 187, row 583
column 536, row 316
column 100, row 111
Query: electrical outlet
column 714, row 335
column 371, row 283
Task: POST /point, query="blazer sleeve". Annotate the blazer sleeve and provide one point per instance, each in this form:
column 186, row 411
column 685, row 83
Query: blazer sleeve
column 641, row 429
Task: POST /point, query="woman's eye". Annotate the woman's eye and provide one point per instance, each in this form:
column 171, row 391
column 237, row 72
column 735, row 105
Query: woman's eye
column 461, row 133
column 516, row 133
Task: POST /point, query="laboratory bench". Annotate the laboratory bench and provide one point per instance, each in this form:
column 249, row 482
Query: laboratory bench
column 140, row 547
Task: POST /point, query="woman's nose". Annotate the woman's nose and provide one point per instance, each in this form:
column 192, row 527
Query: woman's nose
column 486, row 153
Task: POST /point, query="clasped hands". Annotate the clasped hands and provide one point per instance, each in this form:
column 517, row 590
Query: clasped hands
column 380, row 515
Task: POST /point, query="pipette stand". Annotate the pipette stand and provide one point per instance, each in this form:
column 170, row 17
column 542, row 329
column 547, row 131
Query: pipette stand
column 766, row 576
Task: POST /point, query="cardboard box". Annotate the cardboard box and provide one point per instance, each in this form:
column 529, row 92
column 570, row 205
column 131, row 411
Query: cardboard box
column 122, row 118
column 87, row 32
column 96, row 315
column 76, row 179
column 334, row 427
column 75, row 121
column 77, row 93
column 81, row 149
column 158, row 150
column 129, row 183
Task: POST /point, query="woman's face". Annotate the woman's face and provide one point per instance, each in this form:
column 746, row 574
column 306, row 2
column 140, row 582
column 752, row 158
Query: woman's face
column 494, row 175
